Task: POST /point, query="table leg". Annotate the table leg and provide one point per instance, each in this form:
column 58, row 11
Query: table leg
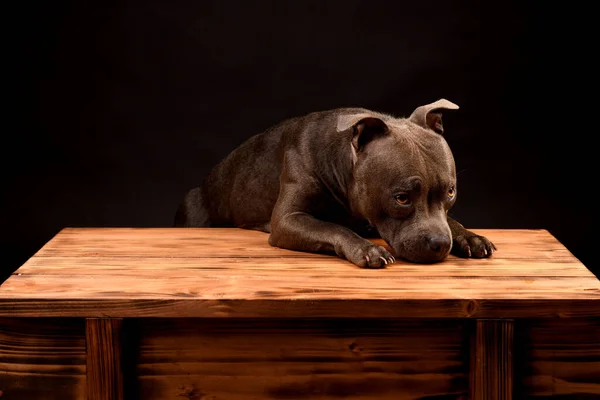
column 492, row 360
column 104, row 369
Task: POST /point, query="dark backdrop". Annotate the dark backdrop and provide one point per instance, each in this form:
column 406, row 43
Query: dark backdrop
column 117, row 108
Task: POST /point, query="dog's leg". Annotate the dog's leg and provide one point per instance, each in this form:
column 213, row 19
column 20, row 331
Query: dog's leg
column 468, row 244
column 301, row 231
column 294, row 228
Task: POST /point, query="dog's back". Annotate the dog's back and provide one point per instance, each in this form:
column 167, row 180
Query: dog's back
column 242, row 189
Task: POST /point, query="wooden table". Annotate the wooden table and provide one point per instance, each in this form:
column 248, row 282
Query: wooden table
column 216, row 314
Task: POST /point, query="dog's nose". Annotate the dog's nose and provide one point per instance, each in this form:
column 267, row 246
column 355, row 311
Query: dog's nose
column 439, row 244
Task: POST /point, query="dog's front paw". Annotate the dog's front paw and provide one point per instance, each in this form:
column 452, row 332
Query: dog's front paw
column 371, row 256
column 469, row 244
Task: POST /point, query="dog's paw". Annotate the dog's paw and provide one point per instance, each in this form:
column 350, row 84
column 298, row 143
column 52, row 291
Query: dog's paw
column 472, row 245
column 371, row 256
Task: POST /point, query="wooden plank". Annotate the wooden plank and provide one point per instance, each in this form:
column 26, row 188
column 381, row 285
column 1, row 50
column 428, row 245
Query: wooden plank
column 42, row 359
column 104, row 365
column 302, row 359
column 491, row 376
column 233, row 243
column 249, row 287
column 558, row 358
column 306, row 308
column 325, row 266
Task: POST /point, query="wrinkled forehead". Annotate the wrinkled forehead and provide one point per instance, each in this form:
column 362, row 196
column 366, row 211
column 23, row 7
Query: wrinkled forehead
column 421, row 142
column 414, row 151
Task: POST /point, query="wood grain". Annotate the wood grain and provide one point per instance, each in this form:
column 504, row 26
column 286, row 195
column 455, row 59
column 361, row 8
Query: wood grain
column 278, row 324
column 124, row 272
column 42, row 359
column 126, row 308
column 302, row 359
column 491, row 375
column 558, row 358
column 233, row 243
column 173, row 267
column 104, row 359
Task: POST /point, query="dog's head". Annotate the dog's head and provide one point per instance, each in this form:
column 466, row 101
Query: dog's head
column 404, row 179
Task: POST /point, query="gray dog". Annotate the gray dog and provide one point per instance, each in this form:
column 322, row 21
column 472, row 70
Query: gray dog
column 324, row 181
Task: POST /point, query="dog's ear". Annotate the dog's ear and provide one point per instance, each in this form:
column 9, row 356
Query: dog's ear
column 429, row 115
column 364, row 128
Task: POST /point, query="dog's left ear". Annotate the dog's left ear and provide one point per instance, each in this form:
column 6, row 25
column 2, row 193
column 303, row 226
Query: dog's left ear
column 365, row 128
column 428, row 116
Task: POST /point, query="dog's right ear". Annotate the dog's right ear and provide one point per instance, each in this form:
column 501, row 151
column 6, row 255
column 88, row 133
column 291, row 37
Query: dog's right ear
column 364, row 128
column 430, row 115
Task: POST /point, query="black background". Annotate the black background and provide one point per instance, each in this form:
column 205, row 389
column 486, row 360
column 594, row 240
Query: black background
column 116, row 109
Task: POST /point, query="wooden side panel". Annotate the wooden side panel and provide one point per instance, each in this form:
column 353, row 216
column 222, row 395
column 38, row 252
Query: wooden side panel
column 300, row 359
column 492, row 360
column 104, row 359
column 42, row 359
column 559, row 358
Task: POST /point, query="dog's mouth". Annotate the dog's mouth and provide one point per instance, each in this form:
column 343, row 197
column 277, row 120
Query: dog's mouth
column 424, row 258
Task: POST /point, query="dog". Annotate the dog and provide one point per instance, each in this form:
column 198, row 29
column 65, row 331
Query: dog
column 325, row 181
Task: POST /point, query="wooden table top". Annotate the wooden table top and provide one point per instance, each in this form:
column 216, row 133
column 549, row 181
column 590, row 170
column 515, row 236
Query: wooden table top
column 210, row 272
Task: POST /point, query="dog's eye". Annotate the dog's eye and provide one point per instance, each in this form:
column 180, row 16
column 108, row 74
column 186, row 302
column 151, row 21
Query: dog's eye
column 451, row 192
column 402, row 198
